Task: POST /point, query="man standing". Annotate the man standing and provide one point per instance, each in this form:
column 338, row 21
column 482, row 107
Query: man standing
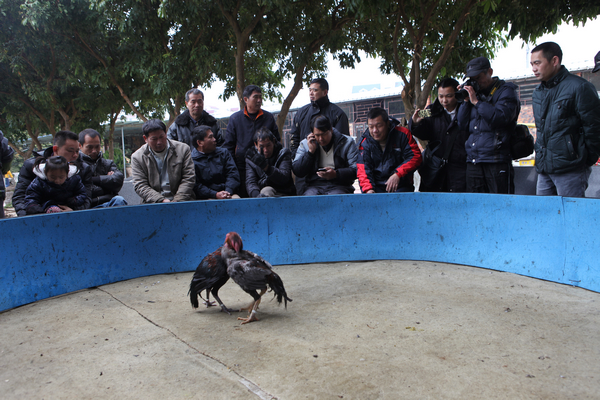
column 66, row 144
column 441, row 130
column 162, row 169
column 490, row 116
column 388, row 155
column 107, row 179
column 6, row 156
column 326, row 159
column 567, row 117
column 217, row 176
column 268, row 167
column 181, row 129
column 242, row 127
column 319, row 105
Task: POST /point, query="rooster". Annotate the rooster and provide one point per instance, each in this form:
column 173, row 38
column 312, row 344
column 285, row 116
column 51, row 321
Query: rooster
column 252, row 273
column 211, row 275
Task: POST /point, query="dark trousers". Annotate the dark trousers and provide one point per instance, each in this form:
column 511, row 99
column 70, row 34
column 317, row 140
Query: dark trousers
column 490, row 178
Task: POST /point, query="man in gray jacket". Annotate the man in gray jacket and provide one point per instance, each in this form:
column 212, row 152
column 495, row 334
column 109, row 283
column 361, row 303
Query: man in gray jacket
column 567, row 117
column 163, row 170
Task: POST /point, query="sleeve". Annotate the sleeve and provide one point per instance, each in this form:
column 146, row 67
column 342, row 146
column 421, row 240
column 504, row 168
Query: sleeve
column 275, row 129
column 232, row 182
column 295, row 134
column 6, row 154
column 172, row 132
column 33, row 199
column 202, row 191
column 185, row 191
column 422, row 130
column 304, row 163
column 251, row 180
column 347, row 175
column 218, row 134
column 503, row 112
column 231, row 136
column 364, row 167
column 26, row 176
column 463, row 116
column 342, row 123
column 588, row 108
column 141, row 185
column 80, row 199
column 281, row 175
column 411, row 153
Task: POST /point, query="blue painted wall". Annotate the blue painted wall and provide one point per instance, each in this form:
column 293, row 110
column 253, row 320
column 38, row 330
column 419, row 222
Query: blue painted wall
column 544, row 237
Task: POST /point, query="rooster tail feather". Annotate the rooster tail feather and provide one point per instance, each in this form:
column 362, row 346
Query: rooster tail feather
column 276, row 285
column 193, row 295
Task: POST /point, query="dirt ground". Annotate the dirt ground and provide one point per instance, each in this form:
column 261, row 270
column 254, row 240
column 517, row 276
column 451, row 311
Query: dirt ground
column 362, row 330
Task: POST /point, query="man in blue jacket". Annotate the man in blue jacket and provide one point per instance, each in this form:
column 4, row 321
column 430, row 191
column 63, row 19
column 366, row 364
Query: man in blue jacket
column 567, row 117
column 490, row 115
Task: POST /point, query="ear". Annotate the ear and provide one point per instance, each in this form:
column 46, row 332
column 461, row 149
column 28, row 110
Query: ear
column 55, row 149
column 145, row 138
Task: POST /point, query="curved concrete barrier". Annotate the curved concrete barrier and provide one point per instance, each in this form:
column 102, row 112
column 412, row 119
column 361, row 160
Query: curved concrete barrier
column 550, row 238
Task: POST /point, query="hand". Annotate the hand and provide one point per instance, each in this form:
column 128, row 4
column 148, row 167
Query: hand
column 166, row 201
column 370, row 191
column 416, row 118
column 312, row 143
column 392, row 183
column 329, row 174
column 258, row 159
column 223, row 194
column 472, row 95
column 65, row 208
column 111, row 173
column 53, row 209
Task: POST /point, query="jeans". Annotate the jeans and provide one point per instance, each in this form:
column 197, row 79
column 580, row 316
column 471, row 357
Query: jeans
column 114, row 202
column 569, row 184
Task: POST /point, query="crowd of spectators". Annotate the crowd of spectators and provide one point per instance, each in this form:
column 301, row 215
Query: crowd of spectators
column 468, row 127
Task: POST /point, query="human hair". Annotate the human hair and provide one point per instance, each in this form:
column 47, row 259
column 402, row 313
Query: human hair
column 264, row 134
column 321, row 122
column 549, row 50
column 248, row 90
column 88, row 132
column 448, row 82
column 153, row 125
column 378, row 112
column 199, row 133
column 61, row 137
column 322, row 82
column 54, row 163
column 191, row 92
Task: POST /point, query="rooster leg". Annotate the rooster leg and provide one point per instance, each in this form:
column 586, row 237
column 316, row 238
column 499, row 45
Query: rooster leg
column 207, row 302
column 223, row 308
column 252, row 316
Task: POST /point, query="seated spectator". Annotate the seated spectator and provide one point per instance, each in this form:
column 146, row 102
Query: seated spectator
column 56, row 188
column 6, row 156
column 162, row 170
column 107, row 179
column 66, row 144
column 326, row 159
column 441, row 128
column 217, row 176
column 388, row 155
column 268, row 167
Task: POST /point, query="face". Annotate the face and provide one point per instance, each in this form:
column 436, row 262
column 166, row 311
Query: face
column 195, row 104
column 446, row 98
column 323, row 137
column 266, row 146
column 70, row 150
column 254, row 102
column 315, row 92
column 209, row 144
column 57, row 176
column 543, row 69
column 484, row 79
column 157, row 140
column 378, row 128
column 91, row 147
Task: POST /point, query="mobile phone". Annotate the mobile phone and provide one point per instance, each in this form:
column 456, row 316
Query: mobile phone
column 322, row 170
column 425, row 113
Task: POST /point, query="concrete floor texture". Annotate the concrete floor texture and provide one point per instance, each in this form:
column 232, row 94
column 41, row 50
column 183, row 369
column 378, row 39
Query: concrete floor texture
column 358, row 330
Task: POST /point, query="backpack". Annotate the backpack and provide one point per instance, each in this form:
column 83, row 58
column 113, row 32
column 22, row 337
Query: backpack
column 521, row 142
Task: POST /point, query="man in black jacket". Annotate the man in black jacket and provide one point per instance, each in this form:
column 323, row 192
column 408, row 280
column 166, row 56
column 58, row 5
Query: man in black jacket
column 66, row 144
column 441, row 130
column 107, row 178
column 319, row 105
column 181, row 129
column 268, row 167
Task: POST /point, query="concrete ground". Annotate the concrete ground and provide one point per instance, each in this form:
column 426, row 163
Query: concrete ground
column 362, row 330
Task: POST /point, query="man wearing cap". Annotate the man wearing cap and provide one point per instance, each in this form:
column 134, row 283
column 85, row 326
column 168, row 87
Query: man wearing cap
column 567, row 117
column 490, row 116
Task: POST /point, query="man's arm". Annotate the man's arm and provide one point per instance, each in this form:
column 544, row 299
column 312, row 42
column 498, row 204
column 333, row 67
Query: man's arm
column 172, row 132
column 281, row 175
column 232, row 180
column 364, row 167
column 231, row 136
column 110, row 183
column 251, row 180
column 503, row 112
column 588, row 108
column 410, row 152
column 26, row 176
column 342, row 123
column 185, row 191
column 304, row 162
column 347, row 175
column 141, row 184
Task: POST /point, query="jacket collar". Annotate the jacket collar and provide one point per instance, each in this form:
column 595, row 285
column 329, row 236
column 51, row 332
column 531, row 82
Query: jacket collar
column 322, row 102
column 556, row 79
column 260, row 112
column 88, row 159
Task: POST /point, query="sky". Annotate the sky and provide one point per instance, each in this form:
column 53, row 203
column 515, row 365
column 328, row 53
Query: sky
column 579, row 46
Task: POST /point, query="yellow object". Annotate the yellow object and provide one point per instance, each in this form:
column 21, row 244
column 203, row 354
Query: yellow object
column 527, row 162
column 8, row 175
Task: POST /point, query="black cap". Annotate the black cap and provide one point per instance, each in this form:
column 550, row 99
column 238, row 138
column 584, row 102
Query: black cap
column 597, row 61
column 477, row 66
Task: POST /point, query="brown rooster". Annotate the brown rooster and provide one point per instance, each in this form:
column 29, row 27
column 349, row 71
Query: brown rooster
column 252, row 273
column 210, row 275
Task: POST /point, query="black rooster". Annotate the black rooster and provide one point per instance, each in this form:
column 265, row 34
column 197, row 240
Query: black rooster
column 210, row 275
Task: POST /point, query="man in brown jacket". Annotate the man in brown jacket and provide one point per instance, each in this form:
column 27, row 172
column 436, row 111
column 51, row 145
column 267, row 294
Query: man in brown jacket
column 163, row 170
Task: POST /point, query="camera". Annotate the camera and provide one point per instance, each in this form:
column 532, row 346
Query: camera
column 462, row 94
